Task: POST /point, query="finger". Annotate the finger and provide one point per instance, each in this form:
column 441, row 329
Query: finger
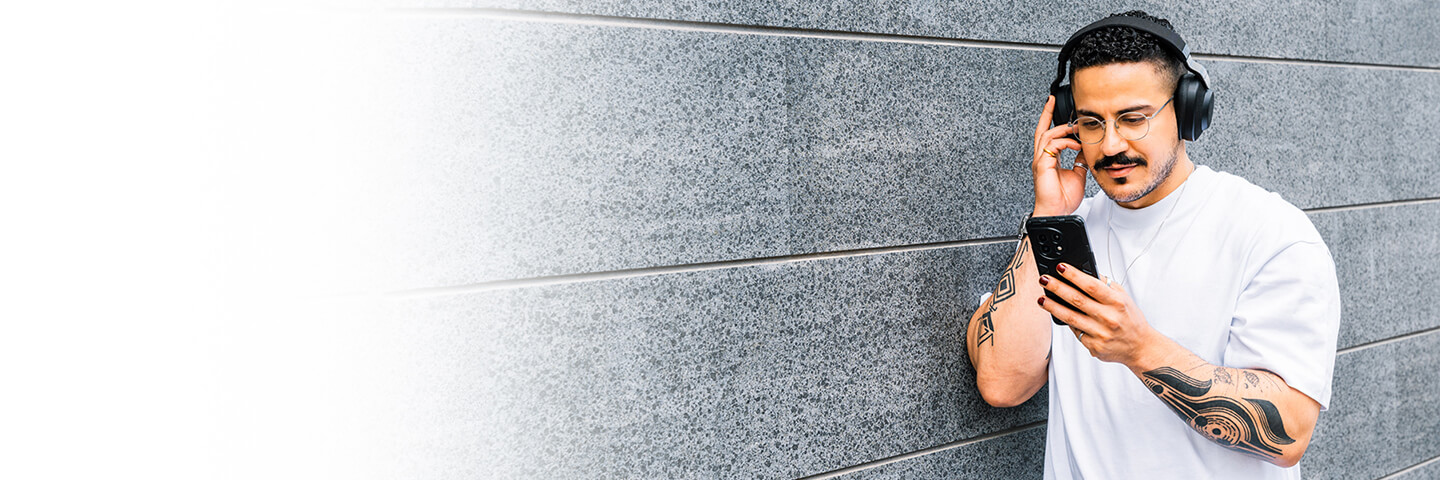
column 1057, row 145
column 1044, row 161
column 1044, row 118
column 1111, row 284
column 1080, row 337
column 1062, row 143
column 1077, row 299
column 1067, row 316
column 1047, row 156
column 1093, row 287
column 1060, row 131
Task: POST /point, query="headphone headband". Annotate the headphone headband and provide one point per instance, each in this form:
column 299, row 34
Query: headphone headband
column 1168, row 39
column 1193, row 100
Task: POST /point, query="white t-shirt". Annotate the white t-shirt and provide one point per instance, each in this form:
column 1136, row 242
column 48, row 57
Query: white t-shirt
column 1236, row 275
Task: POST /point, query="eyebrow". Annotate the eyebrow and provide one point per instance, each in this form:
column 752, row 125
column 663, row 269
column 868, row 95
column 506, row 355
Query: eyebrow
column 1087, row 113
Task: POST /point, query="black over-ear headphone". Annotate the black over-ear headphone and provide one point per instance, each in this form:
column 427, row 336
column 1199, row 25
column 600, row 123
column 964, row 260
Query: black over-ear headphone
column 1193, row 100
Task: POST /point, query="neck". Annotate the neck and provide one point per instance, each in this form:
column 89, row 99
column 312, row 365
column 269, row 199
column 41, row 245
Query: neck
column 1181, row 171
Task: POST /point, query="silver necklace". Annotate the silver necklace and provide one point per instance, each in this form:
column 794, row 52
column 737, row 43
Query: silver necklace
column 1111, row 232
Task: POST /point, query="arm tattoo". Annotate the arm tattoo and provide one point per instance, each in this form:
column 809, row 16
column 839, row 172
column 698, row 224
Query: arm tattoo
column 1253, row 426
column 1003, row 292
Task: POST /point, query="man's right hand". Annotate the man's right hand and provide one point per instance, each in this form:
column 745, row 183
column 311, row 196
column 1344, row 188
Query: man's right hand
column 1058, row 191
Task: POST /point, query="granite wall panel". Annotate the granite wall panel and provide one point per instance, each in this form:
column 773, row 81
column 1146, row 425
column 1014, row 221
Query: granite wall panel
column 1014, row 456
column 575, row 148
column 1305, row 130
column 1382, row 417
column 1380, row 253
column 1368, row 31
column 772, row 371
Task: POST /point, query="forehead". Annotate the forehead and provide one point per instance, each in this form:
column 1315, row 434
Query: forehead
column 1103, row 88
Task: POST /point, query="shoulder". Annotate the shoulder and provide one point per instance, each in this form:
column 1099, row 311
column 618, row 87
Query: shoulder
column 1261, row 210
column 1268, row 222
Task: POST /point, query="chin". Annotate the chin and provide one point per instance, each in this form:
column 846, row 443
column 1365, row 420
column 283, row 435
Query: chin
column 1133, row 189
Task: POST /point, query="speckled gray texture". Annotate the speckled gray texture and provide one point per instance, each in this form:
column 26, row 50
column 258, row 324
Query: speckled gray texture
column 1430, row 471
column 1367, row 31
column 762, row 372
column 561, row 149
column 1382, row 256
column 1325, row 136
column 1015, row 456
column 1383, row 417
column 542, row 149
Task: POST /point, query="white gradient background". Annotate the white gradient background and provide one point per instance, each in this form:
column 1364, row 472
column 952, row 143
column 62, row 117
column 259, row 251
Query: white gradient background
column 172, row 186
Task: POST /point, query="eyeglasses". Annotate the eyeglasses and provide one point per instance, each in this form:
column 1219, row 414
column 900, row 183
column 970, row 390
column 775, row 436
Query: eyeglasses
column 1130, row 126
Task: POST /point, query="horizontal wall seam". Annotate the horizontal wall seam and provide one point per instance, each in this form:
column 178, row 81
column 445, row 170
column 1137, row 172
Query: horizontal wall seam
column 919, row 453
column 717, row 27
column 775, row 260
column 712, row 27
column 686, row 268
column 1362, row 206
column 1410, row 469
column 1387, row 341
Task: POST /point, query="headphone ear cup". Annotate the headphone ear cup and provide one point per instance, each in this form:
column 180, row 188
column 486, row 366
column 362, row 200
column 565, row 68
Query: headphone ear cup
column 1203, row 107
column 1192, row 106
column 1064, row 107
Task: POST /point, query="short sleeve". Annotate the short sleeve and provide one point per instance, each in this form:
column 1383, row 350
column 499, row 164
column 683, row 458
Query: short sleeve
column 1287, row 320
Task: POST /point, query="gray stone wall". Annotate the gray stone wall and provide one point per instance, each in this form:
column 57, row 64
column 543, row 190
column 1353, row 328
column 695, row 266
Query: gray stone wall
column 743, row 240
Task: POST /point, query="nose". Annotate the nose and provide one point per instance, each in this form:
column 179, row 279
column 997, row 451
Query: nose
column 1113, row 144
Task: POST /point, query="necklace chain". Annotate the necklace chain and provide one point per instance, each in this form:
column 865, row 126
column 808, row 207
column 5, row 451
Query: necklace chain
column 1110, row 232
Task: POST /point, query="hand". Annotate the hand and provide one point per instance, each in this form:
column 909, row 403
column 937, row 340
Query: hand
column 1057, row 191
column 1106, row 320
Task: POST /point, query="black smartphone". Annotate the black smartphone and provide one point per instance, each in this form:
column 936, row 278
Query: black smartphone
column 1060, row 239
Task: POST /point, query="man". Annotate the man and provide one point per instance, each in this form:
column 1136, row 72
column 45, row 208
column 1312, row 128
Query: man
column 1205, row 348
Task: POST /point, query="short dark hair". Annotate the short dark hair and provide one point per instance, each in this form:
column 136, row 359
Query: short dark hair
column 1121, row 44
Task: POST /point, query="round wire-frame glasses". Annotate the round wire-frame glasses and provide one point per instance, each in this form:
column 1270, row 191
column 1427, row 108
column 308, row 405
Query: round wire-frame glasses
column 1130, row 125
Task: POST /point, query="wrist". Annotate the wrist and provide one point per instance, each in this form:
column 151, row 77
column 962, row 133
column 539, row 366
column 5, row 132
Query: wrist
column 1154, row 351
column 1039, row 211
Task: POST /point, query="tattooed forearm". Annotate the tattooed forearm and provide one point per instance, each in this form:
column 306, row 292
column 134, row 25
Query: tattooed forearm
column 1003, row 292
column 1250, row 425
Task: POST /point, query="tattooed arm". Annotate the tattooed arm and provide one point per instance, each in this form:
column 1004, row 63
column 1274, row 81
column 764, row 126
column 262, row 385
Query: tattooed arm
column 1008, row 339
column 1248, row 410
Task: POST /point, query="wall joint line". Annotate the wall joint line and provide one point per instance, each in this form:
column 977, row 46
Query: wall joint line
column 927, row 451
column 781, row 31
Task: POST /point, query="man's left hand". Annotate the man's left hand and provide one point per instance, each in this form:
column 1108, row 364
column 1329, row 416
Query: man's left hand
column 1105, row 319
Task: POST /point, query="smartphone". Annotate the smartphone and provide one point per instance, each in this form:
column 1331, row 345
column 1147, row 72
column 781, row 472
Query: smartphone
column 1060, row 239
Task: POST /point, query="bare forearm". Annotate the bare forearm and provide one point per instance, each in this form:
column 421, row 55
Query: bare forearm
column 1008, row 339
column 1247, row 410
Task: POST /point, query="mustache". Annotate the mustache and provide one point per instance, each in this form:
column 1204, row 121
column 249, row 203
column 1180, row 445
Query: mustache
column 1118, row 160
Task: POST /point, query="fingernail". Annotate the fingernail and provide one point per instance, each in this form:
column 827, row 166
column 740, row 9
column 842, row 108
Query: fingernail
column 1060, row 268
column 1044, row 279
column 1041, row 300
